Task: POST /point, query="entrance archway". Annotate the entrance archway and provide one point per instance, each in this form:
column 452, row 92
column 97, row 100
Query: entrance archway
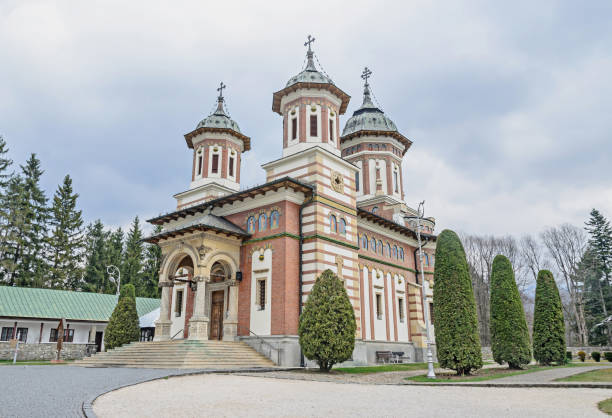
column 219, row 273
column 181, row 306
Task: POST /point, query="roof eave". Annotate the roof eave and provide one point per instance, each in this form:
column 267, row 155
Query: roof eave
column 245, row 139
column 276, row 97
column 392, row 225
column 365, row 132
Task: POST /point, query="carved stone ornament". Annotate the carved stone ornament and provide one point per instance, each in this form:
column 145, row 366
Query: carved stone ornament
column 203, row 250
column 337, row 181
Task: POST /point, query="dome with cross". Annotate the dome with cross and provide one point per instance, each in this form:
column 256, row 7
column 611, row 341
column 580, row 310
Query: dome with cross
column 219, row 118
column 310, row 74
column 368, row 117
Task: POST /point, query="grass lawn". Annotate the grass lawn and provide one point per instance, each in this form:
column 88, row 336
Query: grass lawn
column 401, row 367
column 606, row 406
column 604, row 375
column 480, row 375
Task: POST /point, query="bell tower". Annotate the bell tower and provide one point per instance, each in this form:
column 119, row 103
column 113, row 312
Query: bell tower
column 310, row 105
column 217, row 145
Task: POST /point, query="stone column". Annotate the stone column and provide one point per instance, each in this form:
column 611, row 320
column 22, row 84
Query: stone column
column 163, row 323
column 230, row 323
column 198, row 324
column 92, row 334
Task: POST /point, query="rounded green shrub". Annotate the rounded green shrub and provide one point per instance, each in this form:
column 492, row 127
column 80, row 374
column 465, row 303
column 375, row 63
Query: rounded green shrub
column 509, row 334
column 568, row 356
column 548, row 325
column 596, row 355
column 327, row 324
column 582, row 356
column 456, row 323
column 123, row 326
column 608, row 355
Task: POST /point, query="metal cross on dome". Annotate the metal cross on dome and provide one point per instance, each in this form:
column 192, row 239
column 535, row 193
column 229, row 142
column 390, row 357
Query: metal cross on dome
column 366, row 74
column 220, row 89
column 308, row 42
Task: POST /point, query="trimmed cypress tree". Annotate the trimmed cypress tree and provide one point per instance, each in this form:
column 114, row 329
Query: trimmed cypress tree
column 123, row 326
column 456, row 323
column 509, row 335
column 548, row 325
column 327, row 324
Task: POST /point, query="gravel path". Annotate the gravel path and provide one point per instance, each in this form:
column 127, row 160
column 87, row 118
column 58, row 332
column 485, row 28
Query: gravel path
column 232, row 395
column 59, row 391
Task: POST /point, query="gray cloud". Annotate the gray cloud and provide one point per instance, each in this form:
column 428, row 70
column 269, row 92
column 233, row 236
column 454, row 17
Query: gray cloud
column 507, row 104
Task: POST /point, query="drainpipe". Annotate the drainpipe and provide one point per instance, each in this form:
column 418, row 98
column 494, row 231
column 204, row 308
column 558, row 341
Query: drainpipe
column 302, row 206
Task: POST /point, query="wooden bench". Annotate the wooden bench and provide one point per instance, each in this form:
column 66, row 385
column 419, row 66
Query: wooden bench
column 383, row 356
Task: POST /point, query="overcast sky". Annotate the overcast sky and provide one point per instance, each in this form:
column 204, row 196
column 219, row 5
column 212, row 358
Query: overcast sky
column 509, row 104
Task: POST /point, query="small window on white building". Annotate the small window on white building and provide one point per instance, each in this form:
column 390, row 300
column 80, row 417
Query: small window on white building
column 313, row 125
column 379, row 312
column 331, row 131
column 261, row 294
column 199, row 162
column 231, row 167
column 178, row 307
column 400, row 305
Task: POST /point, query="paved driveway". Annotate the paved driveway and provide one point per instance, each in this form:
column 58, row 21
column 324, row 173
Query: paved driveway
column 231, row 395
column 59, row 391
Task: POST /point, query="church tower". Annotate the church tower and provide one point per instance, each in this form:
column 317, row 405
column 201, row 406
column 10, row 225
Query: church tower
column 310, row 105
column 217, row 145
column 372, row 142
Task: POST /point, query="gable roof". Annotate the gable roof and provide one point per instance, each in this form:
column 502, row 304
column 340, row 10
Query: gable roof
column 24, row 302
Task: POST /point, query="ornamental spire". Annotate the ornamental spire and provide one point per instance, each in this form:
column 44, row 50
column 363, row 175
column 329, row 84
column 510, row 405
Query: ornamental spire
column 309, row 54
column 367, row 101
column 220, row 110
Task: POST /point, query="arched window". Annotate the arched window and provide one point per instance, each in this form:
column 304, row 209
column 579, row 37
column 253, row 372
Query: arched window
column 401, row 253
column 333, row 224
column 388, row 250
column 263, row 222
column 375, row 209
column 342, row 226
column 380, row 247
column 373, row 245
column 251, row 224
column 364, row 242
column 274, row 219
column 395, row 251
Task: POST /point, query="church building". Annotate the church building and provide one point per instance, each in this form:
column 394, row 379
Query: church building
column 239, row 263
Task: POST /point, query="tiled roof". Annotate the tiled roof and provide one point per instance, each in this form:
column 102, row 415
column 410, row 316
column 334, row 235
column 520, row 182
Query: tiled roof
column 54, row 304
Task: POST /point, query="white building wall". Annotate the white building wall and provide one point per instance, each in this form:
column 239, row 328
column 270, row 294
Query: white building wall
column 261, row 320
column 389, row 307
column 366, row 303
column 380, row 325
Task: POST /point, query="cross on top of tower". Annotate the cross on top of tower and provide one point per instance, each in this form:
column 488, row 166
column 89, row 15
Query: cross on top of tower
column 308, row 42
column 220, row 90
column 366, row 74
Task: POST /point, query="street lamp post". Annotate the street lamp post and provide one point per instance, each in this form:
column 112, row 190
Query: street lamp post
column 430, row 367
column 111, row 270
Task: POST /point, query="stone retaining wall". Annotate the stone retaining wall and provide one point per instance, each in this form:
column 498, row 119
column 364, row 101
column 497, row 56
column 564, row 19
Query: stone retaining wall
column 46, row 351
column 587, row 350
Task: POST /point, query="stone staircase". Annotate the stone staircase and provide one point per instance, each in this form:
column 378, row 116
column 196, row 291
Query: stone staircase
column 180, row 354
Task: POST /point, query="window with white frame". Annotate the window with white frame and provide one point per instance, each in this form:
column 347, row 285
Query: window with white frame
column 260, row 297
column 332, row 126
column 231, row 165
column 215, row 161
column 313, row 122
column 199, row 162
column 293, row 125
column 400, row 308
column 379, row 307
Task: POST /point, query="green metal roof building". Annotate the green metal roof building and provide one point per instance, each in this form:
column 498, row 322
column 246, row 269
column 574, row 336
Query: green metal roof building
column 31, row 314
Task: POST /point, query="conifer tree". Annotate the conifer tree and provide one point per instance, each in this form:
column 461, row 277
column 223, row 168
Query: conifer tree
column 14, row 223
column 34, row 266
column 95, row 258
column 133, row 257
column 327, row 324
column 548, row 325
column 152, row 263
column 5, row 164
column 509, row 334
column 455, row 319
column 123, row 326
column 66, row 241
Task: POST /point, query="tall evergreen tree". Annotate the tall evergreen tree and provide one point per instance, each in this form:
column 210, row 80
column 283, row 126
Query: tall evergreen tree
column 152, row 263
column 67, row 240
column 95, row 258
column 133, row 258
column 509, row 334
column 123, row 326
column 548, row 325
column 14, row 224
column 596, row 266
column 5, row 164
column 35, row 231
column 456, row 323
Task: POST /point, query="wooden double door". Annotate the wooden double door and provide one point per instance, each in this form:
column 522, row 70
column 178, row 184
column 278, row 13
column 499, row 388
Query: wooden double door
column 216, row 315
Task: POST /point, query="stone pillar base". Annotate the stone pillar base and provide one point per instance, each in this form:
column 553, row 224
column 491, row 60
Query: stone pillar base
column 162, row 330
column 230, row 330
column 198, row 328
